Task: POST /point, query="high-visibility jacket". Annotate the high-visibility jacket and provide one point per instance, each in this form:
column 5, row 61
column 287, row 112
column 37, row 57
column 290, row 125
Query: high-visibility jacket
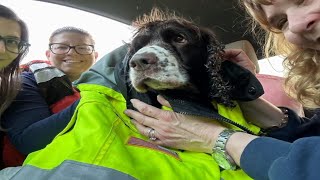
column 100, row 142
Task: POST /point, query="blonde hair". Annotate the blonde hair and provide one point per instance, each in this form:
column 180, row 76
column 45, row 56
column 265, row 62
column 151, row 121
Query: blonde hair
column 302, row 65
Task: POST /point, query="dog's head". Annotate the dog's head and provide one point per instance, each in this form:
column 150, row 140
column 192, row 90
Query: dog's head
column 169, row 52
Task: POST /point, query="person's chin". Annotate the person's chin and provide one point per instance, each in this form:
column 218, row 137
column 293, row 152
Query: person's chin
column 4, row 63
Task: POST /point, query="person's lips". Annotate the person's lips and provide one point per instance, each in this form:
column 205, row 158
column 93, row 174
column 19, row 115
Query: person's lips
column 72, row 61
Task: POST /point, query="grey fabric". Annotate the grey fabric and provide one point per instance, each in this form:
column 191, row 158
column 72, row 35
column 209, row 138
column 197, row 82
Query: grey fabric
column 70, row 170
column 46, row 74
column 102, row 72
column 8, row 173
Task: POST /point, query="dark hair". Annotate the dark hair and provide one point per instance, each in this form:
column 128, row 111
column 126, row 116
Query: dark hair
column 9, row 75
column 70, row 29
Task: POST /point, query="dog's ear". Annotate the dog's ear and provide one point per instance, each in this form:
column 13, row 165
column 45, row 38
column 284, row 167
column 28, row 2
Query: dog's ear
column 219, row 90
column 245, row 85
column 229, row 81
column 235, row 82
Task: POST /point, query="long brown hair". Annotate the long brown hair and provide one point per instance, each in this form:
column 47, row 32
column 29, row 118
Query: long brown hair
column 302, row 65
column 9, row 75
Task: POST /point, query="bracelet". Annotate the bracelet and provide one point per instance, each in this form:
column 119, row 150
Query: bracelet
column 283, row 122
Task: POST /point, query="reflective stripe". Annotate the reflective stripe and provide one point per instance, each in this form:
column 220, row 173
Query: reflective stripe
column 71, row 170
column 46, row 74
column 36, row 66
column 9, row 172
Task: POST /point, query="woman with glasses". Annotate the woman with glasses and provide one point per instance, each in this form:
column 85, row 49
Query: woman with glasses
column 13, row 47
column 46, row 102
column 72, row 51
column 14, row 38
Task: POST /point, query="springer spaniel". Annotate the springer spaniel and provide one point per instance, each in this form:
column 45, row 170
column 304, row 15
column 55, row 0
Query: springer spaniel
column 172, row 56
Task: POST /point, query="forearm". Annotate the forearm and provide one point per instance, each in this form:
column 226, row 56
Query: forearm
column 262, row 113
column 268, row 158
column 236, row 145
column 39, row 134
column 29, row 121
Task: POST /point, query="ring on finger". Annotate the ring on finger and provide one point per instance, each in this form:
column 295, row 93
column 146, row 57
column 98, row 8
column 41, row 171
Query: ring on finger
column 151, row 134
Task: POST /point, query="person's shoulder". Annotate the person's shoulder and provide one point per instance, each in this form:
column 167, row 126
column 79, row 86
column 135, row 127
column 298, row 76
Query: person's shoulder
column 28, row 78
column 26, row 74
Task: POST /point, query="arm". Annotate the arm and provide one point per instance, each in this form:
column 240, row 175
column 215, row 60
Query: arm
column 29, row 122
column 264, row 114
column 267, row 158
column 261, row 113
column 260, row 157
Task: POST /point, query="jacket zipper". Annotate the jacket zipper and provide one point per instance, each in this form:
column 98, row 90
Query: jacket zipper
column 219, row 118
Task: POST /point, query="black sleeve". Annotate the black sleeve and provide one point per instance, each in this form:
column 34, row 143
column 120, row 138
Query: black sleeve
column 297, row 127
column 270, row 159
column 29, row 122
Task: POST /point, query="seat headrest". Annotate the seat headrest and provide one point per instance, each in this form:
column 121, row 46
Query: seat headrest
column 247, row 47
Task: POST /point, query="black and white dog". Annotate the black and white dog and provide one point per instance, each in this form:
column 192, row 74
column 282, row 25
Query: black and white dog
column 172, row 56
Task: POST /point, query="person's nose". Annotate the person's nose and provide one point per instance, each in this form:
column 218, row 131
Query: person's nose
column 2, row 47
column 72, row 51
column 299, row 23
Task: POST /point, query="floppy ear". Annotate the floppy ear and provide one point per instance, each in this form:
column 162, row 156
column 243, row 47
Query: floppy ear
column 229, row 81
column 245, row 85
column 220, row 90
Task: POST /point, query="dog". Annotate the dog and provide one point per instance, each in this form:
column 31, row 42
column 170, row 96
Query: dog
column 182, row 61
column 169, row 52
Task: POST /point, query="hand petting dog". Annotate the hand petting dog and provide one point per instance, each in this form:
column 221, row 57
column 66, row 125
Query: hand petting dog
column 182, row 131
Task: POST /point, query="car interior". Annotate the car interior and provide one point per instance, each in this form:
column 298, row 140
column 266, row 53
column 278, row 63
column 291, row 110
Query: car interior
column 224, row 17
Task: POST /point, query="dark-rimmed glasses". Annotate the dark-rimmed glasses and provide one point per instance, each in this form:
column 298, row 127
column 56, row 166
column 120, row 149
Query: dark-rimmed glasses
column 58, row 48
column 14, row 45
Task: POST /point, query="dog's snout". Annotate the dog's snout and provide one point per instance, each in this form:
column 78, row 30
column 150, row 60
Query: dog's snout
column 143, row 61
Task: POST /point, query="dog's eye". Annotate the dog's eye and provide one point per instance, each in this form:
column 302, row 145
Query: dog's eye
column 179, row 39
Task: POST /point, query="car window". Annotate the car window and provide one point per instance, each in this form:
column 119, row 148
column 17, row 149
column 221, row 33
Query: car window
column 43, row 18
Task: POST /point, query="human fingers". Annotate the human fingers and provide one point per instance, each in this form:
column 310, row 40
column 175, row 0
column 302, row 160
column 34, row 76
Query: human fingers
column 163, row 101
column 149, row 132
column 147, row 109
column 140, row 118
column 239, row 57
column 144, row 130
column 235, row 55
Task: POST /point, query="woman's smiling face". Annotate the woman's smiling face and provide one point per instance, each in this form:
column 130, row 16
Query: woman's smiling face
column 299, row 20
column 8, row 29
column 72, row 63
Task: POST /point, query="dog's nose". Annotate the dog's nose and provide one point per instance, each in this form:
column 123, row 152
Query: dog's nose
column 143, row 61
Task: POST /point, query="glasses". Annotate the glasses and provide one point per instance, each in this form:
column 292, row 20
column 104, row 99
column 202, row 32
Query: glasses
column 14, row 45
column 57, row 48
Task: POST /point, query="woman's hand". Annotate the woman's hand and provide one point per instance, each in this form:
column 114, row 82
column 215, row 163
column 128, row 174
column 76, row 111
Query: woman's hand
column 239, row 57
column 173, row 129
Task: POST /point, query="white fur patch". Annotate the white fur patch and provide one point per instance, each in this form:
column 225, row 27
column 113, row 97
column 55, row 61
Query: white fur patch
column 166, row 73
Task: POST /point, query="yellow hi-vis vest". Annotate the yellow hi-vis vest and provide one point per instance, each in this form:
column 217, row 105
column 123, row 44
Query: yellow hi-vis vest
column 100, row 142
